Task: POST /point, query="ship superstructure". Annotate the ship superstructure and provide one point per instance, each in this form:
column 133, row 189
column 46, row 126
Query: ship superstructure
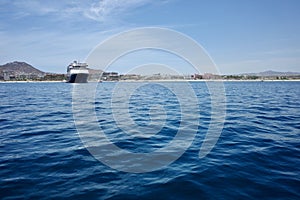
column 77, row 72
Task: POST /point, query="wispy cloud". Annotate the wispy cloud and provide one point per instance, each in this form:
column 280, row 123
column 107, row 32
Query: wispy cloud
column 53, row 27
column 107, row 9
column 36, row 7
column 100, row 10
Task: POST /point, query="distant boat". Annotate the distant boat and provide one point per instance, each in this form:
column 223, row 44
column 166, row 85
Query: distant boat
column 77, row 72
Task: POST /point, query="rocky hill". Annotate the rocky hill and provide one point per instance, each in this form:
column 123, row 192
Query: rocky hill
column 20, row 68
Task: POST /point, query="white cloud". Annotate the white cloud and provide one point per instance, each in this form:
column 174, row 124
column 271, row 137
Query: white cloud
column 35, row 7
column 100, row 10
column 106, row 9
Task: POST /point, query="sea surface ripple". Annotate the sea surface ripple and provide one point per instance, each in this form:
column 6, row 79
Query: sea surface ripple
column 256, row 157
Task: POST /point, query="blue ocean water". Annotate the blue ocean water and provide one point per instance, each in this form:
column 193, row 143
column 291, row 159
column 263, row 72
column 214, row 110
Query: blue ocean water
column 256, row 157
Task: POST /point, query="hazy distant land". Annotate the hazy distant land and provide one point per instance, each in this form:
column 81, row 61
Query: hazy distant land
column 22, row 71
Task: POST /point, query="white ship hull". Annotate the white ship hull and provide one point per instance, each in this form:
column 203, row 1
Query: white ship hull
column 77, row 73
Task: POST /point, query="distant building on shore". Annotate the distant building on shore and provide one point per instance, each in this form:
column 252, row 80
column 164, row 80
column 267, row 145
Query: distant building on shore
column 110, row 76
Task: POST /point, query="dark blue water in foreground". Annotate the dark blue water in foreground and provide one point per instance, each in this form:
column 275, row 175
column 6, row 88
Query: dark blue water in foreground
column 257, row 155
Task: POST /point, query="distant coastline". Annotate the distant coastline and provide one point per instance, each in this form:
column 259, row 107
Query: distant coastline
column 23, row 72
column 158, row 80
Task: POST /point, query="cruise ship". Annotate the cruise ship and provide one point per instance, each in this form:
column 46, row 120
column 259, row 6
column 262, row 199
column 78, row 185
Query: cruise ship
column 77, row 72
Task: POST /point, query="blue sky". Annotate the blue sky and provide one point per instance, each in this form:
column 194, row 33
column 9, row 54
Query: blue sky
column 239, row 35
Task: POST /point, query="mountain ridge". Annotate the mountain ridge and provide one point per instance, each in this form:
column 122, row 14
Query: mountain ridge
column 270, row 73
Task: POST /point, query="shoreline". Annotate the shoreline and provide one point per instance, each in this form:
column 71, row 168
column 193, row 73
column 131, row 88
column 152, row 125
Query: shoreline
column 166, row 80
column 32, row 81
